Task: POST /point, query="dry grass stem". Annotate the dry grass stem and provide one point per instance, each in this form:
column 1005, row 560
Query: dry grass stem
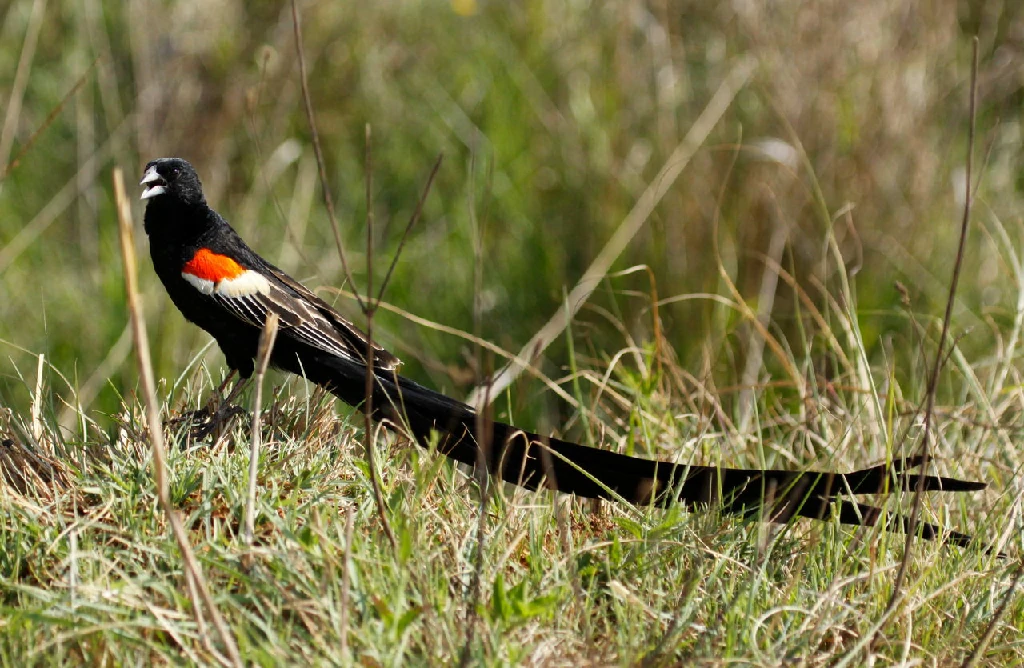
column 191, row 565
column 266, row 347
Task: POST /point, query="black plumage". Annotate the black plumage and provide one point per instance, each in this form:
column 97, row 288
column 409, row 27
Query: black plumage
column 225, row 287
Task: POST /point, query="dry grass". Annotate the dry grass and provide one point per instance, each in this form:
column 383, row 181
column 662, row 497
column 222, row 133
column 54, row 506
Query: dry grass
column 96, row 577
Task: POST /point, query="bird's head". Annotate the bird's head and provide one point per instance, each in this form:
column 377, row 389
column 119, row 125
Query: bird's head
column 172, row 177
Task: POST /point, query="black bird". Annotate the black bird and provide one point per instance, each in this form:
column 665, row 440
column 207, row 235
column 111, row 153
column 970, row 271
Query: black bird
column 222, row 285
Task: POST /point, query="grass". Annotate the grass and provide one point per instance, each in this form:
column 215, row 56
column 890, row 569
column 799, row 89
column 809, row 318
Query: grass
column 97, row 577
column 780, row 306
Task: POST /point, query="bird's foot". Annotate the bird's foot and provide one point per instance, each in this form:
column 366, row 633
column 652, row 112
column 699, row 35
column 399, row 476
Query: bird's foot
column 206, row 421
column 213, row 419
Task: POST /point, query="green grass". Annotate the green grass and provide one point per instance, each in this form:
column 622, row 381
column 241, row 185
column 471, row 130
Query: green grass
column 95, row 576
column 553, row 118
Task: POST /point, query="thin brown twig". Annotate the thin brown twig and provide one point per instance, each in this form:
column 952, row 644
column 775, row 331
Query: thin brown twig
column 483, row 432
column 191, row 565
column 369, row 309
column 204, row 633
column 87, row 171
column 258, row 146
column 990, row 631
column 933, row 380
column 417, row 212
column 266, row 346
column 321, row 166
column 21, row 79
column 364, row 305
column 50, row 118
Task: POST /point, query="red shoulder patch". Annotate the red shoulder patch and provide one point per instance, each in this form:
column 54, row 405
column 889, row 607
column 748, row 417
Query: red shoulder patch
column 210, row 266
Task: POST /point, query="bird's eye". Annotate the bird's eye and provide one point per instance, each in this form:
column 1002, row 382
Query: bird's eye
column 176, row 171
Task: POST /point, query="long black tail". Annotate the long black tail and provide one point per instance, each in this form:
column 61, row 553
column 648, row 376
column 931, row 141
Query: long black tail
column 532, row 461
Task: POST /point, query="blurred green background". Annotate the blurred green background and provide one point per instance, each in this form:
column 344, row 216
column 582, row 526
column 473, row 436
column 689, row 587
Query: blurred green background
column 553, row 117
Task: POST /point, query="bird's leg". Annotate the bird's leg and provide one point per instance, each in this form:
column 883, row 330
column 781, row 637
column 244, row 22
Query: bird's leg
column 219, row 392
column 225, row 408
column 223, row 402
column 218, row 410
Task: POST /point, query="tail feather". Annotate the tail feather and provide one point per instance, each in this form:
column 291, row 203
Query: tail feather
column 531, row 461
column 852, row 512
column 876, row 479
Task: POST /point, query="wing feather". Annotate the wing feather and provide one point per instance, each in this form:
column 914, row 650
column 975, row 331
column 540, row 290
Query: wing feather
column 355, row 337
column 248, row 308
column 255, row 292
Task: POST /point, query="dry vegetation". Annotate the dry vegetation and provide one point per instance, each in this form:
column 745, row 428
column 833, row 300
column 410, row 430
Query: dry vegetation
column 780, row 306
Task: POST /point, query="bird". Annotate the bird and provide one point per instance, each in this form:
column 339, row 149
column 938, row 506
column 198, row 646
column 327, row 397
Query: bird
column 225, row 287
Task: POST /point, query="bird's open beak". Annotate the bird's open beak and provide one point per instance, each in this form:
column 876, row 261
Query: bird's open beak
column 155, row 184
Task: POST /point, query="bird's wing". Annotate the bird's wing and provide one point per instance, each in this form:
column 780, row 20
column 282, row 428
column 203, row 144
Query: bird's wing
column 355, row 337
column 250, row 294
